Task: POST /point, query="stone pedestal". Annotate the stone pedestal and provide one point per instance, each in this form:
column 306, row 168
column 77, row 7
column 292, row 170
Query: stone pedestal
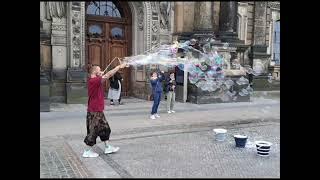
column 203, row 32
column 59, row 58
column 76, row 86
column 258, row 54
column 228, row 22
column 44, row 93
column 198, row 96
column 261, row 83
column 275, row 72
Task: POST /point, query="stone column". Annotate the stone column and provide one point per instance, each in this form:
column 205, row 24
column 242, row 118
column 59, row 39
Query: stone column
column 45, row 62
column 76, row 86
column 228, row 21
column 56, row 12
column 203, row 16
column 259, row 59
column 203, row 20
column 259, row 48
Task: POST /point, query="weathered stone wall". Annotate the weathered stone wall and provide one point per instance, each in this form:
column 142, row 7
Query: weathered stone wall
column 153, row 23
column 250, row 16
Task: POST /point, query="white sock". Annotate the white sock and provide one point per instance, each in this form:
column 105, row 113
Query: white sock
column 88, row 148
column 106, row 143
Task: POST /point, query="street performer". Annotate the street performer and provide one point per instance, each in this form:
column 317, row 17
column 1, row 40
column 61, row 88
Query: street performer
column 96, row 123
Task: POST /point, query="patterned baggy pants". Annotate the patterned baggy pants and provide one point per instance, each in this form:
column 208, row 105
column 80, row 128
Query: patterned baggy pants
column 97, row 125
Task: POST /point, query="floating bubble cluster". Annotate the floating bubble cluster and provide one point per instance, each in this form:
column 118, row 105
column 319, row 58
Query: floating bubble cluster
column 205, row 67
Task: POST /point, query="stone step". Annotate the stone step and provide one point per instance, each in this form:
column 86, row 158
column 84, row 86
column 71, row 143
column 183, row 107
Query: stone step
column 134, row 108
column 266, row 94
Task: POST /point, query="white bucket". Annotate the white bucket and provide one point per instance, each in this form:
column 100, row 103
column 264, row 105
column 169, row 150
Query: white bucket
column 263, row 148
column 220, row 134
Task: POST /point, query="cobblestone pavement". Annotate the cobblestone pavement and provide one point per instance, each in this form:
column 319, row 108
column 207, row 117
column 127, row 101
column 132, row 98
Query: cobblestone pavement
column 185, row 153
column 71, row 118
column 57, row 160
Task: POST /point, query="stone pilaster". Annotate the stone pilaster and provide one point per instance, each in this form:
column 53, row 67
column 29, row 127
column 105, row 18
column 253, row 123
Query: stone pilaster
column 56, row 10
column 44, row 74
column 76, row 87
column 258, row 56
column 228, row 21
column 203, row 21
column 203, row 16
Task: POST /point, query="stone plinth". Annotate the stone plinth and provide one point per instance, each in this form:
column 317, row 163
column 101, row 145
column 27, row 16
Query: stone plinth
column 76, row 88
column 44, row 93
column 198, row 96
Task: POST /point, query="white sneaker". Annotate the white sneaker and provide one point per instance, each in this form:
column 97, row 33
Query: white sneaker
column 152, row 117
column 89, row 154
column 169, row 112
column 172, row 111
column 157, row 115
column 111, row 149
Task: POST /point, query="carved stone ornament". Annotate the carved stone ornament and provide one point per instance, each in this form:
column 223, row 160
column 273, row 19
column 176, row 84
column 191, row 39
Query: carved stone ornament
column 140, row 16
column 274, row 5
column 165, row 8
column 55, row 9
column 154, row 27
column 58, row 27
column 154, row 40
column 153, row 6
column 76, row 22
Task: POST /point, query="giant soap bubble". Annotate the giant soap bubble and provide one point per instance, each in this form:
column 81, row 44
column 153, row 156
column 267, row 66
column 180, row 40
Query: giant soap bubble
column 205, row 67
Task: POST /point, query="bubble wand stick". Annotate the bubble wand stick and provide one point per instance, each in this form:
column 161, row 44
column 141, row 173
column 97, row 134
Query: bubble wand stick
column 112, row 62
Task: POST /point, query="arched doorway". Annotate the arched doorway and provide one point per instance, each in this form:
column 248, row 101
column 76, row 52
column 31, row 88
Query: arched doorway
column 108, row 35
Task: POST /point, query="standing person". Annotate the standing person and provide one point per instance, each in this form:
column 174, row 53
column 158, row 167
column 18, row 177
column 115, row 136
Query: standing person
column 114, row 92
column 156, row 83
column 96, row 123
column 171, row 92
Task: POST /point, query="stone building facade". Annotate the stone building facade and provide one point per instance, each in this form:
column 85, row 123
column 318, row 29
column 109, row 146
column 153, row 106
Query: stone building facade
column 67, row 48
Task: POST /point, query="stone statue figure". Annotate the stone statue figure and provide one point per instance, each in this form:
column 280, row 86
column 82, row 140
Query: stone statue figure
column 165, row 8
column 55, row 9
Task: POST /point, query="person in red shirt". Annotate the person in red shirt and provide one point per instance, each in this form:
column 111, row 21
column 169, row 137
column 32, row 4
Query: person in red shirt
column 97, row 124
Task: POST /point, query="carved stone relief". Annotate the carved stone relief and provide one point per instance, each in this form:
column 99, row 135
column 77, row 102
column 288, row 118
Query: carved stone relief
column 76, row 34
column 55, row 9
column 140, row 15
column 165, row 8
column 274, row 5
column 155, row 23
column 242, row 20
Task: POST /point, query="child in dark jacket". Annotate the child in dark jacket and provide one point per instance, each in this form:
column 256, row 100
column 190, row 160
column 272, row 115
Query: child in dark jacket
column 171, row 92
column 156, row 83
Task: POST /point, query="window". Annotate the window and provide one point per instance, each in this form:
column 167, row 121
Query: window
column 104, row 8
column 116, row 33
column 95, row 30
column 276, row 43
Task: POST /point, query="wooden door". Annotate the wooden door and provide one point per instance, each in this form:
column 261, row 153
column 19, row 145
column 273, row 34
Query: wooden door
column 108, row 27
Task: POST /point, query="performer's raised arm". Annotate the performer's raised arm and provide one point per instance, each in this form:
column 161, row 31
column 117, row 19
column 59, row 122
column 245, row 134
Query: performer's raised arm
column 113, row 71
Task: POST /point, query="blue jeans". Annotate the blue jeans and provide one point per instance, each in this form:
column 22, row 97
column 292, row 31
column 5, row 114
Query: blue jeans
column 156, row 102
